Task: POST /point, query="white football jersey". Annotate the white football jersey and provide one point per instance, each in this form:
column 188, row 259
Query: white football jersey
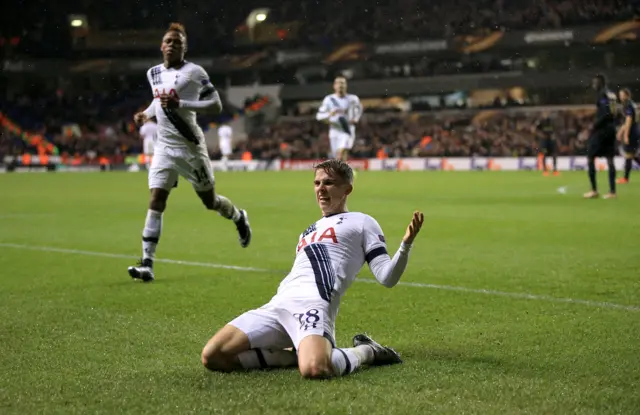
column 149, row 131
column 329, row 255
column 348, row 108
column 178, row 127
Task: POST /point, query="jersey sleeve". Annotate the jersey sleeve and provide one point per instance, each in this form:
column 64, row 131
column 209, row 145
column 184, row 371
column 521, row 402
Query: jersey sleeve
column 606, row 108
column 386, row 270
column 325, row 110
column 628, row 111
column 149, row 77
column 150, row 111
column 374, row 243
column 208, row 97
column 357, row 108
column 207, row 90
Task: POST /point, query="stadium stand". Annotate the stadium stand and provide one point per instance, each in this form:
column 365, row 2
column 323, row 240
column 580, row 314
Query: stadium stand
column 93, row 121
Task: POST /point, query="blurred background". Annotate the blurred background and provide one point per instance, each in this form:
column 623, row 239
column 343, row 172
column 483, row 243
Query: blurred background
column 437, row 79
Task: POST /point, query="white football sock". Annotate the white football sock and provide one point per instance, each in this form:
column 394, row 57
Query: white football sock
column 345, row 361
column 151, row 234
column 263, row 358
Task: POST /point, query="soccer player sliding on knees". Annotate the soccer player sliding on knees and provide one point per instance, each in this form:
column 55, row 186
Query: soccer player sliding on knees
column 302, row 313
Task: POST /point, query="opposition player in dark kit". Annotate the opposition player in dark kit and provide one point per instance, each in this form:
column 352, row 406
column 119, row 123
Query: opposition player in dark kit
column 547, row 146
column 628, row 134
column 602, row 140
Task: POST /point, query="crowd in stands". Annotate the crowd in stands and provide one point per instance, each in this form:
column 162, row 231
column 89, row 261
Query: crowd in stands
column 212, row 25
column 496, row 133
column 83, row 123
column 490, row 133
column 88, row 123
column 333, row 20
column 419, row 19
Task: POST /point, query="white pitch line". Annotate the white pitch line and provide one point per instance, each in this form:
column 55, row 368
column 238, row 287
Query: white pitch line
column 121, row 256
column 24, row 215
column 525, row 296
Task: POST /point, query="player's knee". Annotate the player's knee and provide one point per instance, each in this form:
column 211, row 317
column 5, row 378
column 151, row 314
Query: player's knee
column 208, row 200
column 316, row 369
column 158, row 200
column 209, row 204
column 213, row 359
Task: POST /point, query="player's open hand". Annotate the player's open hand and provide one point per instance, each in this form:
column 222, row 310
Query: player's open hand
column 140, row 118
column 413, row 228
column 169, row 101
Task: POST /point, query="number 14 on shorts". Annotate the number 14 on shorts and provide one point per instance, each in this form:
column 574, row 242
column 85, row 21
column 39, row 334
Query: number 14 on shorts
column 310, row 319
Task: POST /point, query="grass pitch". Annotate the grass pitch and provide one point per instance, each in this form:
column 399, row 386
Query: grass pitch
column 517, row 298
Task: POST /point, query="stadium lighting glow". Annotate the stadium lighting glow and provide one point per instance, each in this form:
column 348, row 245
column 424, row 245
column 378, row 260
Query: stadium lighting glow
column 261, row 17
column 76, row 23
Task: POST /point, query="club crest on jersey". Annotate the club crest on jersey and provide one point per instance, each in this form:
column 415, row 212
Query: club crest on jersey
column 381, row 237
column 329, row 235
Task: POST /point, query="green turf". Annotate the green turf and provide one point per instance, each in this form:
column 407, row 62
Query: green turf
column 78, row 336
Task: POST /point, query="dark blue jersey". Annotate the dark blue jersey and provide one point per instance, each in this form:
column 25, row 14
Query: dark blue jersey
column 605, row 110
column 629, row 110
column 545, row 127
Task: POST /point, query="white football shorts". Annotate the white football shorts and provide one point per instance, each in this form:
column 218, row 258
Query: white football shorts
column 340, row 140
column 283, row 322
column 225, row 147
column 168, row 164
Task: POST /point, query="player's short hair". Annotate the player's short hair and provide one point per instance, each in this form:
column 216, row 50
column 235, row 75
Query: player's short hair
column 627, row 92
column 337, row 168
column 602, row 78
column 177, row 27
column 340, row 77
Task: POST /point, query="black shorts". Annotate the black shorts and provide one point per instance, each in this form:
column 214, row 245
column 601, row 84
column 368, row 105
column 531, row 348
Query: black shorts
column 602, row 143
column 632, row 147
column 548, row 146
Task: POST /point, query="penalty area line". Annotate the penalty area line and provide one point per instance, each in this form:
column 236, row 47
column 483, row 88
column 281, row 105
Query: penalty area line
column 495, row 293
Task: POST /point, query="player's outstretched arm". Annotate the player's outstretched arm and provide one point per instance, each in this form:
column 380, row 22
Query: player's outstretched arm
column 213, row 105
column 389, row 270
